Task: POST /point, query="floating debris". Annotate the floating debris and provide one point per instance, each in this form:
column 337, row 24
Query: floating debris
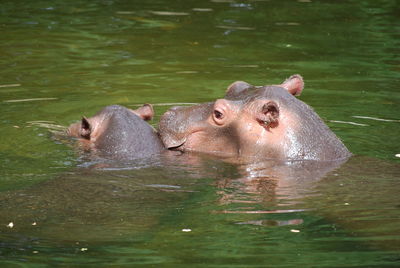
column 34, row 223
column 163, row 186
column 202, row 9
column 10, row 225
column 155, row 23
column 125, row 12
column 46, row 124
column 49, row 125
column 169, row 13
column 375, row 118
column 84, row 249
column 187, row 72
column 11, row 85
column 33, row 99
column 35, row 252
column 397, row 155
column 186, row 230
column 295, row 231
column 246, row 66
column 349, row 123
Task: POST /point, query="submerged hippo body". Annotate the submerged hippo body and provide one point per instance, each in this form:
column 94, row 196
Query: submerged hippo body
column 118, row 132
column 262, row 122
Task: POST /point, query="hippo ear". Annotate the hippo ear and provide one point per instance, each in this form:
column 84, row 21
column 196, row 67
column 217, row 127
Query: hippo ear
column 294, row 84
column 146, row 112
column 236, row 88
column 86, row 128
column 268, row 115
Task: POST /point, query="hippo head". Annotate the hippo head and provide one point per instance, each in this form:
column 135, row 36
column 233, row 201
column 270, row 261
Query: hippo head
column 118, row 132
column 266, row 122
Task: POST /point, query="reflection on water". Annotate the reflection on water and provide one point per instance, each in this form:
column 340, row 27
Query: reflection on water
column 62, row 60
column 89, row 208
column 274, row 222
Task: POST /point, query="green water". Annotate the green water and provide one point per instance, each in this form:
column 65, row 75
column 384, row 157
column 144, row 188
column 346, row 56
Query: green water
column 60, row 60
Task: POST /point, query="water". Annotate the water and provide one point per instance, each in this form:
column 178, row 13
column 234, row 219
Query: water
column 64, row 59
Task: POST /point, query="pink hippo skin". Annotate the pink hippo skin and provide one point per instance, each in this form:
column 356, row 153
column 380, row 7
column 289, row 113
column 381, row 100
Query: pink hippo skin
column 118, row 132
column 253, row 122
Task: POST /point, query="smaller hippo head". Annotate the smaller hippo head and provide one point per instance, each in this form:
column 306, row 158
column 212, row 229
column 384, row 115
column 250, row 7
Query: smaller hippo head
column 266, row 122
column 118, row 132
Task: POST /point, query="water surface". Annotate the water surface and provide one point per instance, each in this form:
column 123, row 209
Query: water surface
column 60, row 60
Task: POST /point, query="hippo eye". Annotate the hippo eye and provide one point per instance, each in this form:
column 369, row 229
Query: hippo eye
column 221, row 112
column 218, row 114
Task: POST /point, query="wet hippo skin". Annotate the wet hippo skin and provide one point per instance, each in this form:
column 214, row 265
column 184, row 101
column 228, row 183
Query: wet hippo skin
column 262, row 122
column 119, row 133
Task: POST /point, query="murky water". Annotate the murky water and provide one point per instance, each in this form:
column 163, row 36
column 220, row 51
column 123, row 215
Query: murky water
column 60, row 60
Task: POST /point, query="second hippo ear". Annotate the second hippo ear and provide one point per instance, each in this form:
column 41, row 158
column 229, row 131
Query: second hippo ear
column 146, row 112
column 294, row 84
column 236, row 88
column 86, row 128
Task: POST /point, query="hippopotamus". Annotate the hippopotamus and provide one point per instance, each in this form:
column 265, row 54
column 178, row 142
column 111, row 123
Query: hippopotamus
column 118, row 132
column 257, row 122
